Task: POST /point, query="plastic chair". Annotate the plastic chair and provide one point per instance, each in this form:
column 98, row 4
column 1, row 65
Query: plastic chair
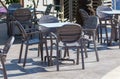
column 47, row 11
column 27, row 40
column 90, row 25
column 3, row 54
column 47, row 31
column 104, row 20
column 23, row 15
column 70, row 35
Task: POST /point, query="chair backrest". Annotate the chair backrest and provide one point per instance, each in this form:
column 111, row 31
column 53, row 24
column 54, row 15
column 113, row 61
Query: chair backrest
column 15, row 5
column 48, row 9
column 20, row 27
column 89, row 22
column 12, row 7
column 84, row 14
column 22, row 14
column 103, row 8
column 47, row 19
column 8, row 44
column 69, row 33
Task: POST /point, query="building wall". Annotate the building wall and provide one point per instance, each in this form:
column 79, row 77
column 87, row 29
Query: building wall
column 116, row 4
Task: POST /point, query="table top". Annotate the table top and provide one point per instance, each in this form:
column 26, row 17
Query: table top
column 55, row 25
column 111, row 12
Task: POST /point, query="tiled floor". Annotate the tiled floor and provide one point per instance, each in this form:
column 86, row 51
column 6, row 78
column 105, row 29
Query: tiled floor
column 35, row 69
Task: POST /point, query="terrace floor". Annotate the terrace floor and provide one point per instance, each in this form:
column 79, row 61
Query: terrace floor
column 108, row 66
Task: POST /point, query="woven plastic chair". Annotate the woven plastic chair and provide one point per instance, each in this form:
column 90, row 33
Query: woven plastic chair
column 47, row 11
column 3, row 54
column 69, row 34
column 104, row 20
column 24, row 16
column 90, row 24
column 47, row 31
column 27, row 40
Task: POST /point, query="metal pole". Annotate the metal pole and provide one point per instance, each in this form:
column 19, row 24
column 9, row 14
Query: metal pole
column 62, row 9
column 22, row 2
column 70, row 10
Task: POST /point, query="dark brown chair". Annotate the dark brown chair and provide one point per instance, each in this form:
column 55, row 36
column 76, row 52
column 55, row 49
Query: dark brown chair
column 47, row 11
column 3, row 54
column 104, row 21
column 90, row 26
column 47, row 31
column 27, row 40
column 70, row 35
column 24, row 16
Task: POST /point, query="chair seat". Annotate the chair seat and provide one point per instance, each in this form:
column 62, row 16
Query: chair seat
column 33, row 41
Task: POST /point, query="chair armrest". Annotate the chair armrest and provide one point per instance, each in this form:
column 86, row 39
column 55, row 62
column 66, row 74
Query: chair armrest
column 34, row 32
column 31, row 29
column 40, row 12
column 89, row 29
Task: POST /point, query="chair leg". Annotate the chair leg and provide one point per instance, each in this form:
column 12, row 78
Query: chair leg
column 38, row 50
column 57, row 57
column 114, row 33
column 77, row 62
column 20, row 53
column 98, row 35
column 85, row 50
column 106, row 34
column 41, row 50
column 51, row 50
column 66, row 52
column 51, row 63
column 82, row 55
column 101, row 34
column 51, row 41
column 4, row 69
column 26, row 51
column 97, row 57
column 47, row 53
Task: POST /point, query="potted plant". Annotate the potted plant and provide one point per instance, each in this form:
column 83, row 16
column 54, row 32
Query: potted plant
column 12, row 1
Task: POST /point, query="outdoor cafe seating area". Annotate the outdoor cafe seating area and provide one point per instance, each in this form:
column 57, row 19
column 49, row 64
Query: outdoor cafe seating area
column 40, row 44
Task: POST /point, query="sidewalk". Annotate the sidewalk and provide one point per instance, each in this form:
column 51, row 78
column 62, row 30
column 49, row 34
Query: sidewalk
column 107, row 68
column 35, row 69
column 114, row 74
